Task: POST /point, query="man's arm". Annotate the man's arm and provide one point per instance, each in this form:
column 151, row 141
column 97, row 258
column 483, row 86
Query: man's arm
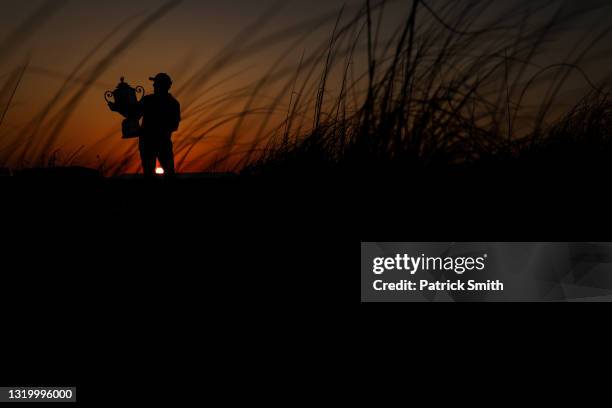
column 133, row 112
column 137, row 111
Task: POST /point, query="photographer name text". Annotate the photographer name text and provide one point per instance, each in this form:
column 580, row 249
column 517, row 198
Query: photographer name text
column 413, row 265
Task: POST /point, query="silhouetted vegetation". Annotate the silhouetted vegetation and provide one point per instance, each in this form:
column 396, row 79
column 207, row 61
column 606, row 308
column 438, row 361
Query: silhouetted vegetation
column 449, row 95
column 449, row 84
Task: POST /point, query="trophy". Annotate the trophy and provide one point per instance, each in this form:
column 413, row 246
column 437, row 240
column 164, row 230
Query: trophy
column 124, row 100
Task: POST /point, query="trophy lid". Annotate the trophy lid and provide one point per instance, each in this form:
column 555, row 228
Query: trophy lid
column 123, row 84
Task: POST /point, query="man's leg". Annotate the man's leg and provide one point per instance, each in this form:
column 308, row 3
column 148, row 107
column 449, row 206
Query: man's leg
column 147, row 158
column 166, row 157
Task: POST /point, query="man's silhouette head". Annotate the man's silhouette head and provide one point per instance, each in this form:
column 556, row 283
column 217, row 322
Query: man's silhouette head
column 161, row 83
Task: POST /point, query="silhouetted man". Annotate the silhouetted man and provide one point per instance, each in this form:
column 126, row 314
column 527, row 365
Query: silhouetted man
column 161, row 115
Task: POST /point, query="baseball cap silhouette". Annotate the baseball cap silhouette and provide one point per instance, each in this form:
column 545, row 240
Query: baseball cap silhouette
column 162, row 78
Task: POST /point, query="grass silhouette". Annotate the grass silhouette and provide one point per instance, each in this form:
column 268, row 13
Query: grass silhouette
column 445, row 94
column 449, row 84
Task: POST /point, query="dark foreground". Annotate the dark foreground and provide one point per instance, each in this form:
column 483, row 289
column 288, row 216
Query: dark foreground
column 110, row 270
column 456, row 205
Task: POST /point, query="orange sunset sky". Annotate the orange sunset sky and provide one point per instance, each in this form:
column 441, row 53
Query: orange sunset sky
column 63, row 55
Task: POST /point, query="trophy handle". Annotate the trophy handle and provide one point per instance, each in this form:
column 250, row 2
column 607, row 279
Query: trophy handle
column 140, row 91
column 108, row 96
